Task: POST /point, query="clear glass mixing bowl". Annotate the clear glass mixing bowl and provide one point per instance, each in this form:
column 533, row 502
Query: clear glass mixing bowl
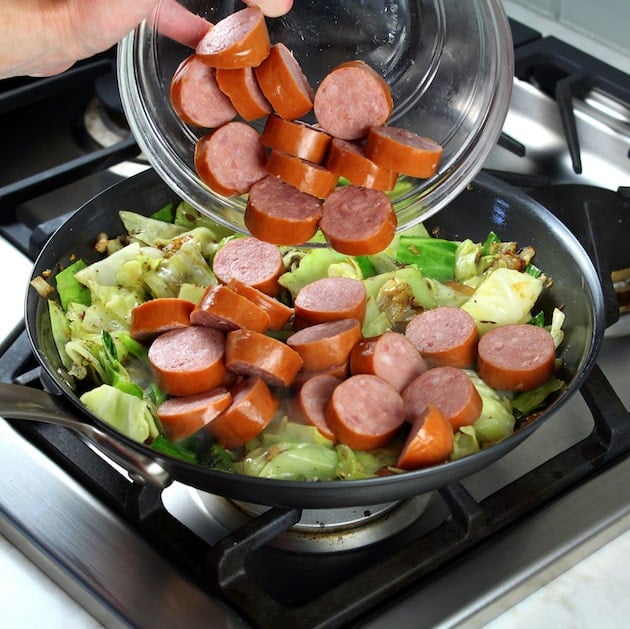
column 449, row 65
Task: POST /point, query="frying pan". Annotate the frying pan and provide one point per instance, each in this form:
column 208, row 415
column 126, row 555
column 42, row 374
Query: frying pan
column 487, row 204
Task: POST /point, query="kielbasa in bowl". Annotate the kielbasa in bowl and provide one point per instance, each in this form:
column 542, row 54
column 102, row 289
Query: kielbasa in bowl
column 373, row 94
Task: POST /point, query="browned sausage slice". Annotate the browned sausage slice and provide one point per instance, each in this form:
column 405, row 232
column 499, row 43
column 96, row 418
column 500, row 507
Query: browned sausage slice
column 295, row 138
column 348, row 160
column 283, row 83
column 325, row 345
column 403, row 151
column 516, row 357
column 188, row 360
column 230, row 159
column 183, row 416
column 279, row 213
column 249, row 353
column 364, row 412
column 153, row 317
column 241, row 87
column 358, row 221
column 329, row 299
column 196, row 96
column 252, row 261
column 253, row 407
column 306, row 176
column 449, row 389
column 279, row 313
column 223, row 309
column 351, row 99
column 310, row 403
column 390, row 356
column 238, row 41
column 445, row 336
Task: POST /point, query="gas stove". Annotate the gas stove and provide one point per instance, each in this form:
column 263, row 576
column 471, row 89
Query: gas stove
column 135, row 555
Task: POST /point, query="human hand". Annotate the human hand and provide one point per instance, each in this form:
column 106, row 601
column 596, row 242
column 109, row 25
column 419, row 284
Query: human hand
column 42, row 38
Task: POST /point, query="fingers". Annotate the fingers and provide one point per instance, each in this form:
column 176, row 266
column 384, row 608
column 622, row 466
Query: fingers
column 272, row 8
column 179, row 24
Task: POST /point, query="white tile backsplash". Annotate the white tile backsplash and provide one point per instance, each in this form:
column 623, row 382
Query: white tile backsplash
column 601, row 29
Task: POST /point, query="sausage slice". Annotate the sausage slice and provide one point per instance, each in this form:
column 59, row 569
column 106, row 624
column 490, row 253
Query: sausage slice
column 279, row 313
column 230, row 159
column 151, row 318
column 253, row 406
column 348, row 159
column 306, row 176
column 364, row 412
column 196, row 97
column 358, row 221
column 183, row 416
column 283, row 83
column 189, row 360
column 403, row 151
column 390, row 356
column 351, row 99
column 238, row 41
column 329, row 299
column 223, row 309
column 241, row 87
column 252, row 261
column 516, row 357
column 310, row 403
column 449, row 389
column 249, row 353
column 295, row 138
column 444, row 336
column 279, row 213
column 325, row 345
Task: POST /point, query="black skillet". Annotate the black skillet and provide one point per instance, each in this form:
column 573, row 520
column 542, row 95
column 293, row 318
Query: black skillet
column 487, row 204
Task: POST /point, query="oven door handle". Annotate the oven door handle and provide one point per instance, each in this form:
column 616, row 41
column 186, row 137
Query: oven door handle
column 27, row 403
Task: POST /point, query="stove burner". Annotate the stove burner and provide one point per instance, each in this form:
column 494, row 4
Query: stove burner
column 317, row 531
column 102, row 124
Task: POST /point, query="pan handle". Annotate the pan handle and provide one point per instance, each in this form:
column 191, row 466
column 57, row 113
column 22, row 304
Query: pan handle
column 21, row 402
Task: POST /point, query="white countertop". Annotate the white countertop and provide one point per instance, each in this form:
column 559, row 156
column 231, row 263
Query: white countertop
column 593, row 593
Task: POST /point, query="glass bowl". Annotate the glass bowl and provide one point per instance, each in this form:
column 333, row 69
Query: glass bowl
column 449, row 65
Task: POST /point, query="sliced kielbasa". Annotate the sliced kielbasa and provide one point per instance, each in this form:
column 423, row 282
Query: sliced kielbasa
column 249, row 353
column 283, row 83
column 309, row 406
column 390, row 356
column 446, row 335
column 348, row 159
column 296, row 138
column 253, row 406
column 188, row 360
column 252, row 261
column 403, row 151
column 306, row 176
column 449, row 389
column 230, row 159
column 364, row 412
column 225, row 310
column 326, row 345
column 238, row 41
column 242, row 89
column 196, row 96
column 351, row 99
column 151, row 318
column 358, row 221
column 182, row 417
column 279, row 213
column 516, row 357
column 330, row 298
column 279, row 313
